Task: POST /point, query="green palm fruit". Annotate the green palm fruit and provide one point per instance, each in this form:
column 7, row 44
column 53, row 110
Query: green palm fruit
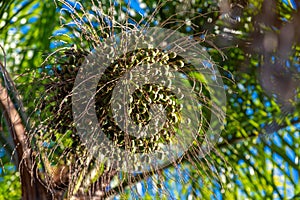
column 140, row 101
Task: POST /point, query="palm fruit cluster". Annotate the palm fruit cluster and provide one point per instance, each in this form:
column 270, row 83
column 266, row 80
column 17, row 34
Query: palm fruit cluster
column 56, row 105
column 139, row 102
column 59, row 90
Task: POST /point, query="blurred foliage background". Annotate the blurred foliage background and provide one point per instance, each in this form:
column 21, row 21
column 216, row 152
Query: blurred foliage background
column 254, row 42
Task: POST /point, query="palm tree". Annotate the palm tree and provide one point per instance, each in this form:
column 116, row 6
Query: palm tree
column 256, row 155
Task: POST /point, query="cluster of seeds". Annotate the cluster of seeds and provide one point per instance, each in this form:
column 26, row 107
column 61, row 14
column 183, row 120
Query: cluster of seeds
column 59, row 90
column 140, row 101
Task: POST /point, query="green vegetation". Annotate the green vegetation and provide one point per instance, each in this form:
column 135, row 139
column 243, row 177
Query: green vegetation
column 254, row 45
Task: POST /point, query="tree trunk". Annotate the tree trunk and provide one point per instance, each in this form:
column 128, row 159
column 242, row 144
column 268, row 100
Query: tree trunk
column 32, row 187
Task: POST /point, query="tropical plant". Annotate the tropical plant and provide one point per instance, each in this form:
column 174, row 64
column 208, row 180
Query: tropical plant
column 253, row 44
